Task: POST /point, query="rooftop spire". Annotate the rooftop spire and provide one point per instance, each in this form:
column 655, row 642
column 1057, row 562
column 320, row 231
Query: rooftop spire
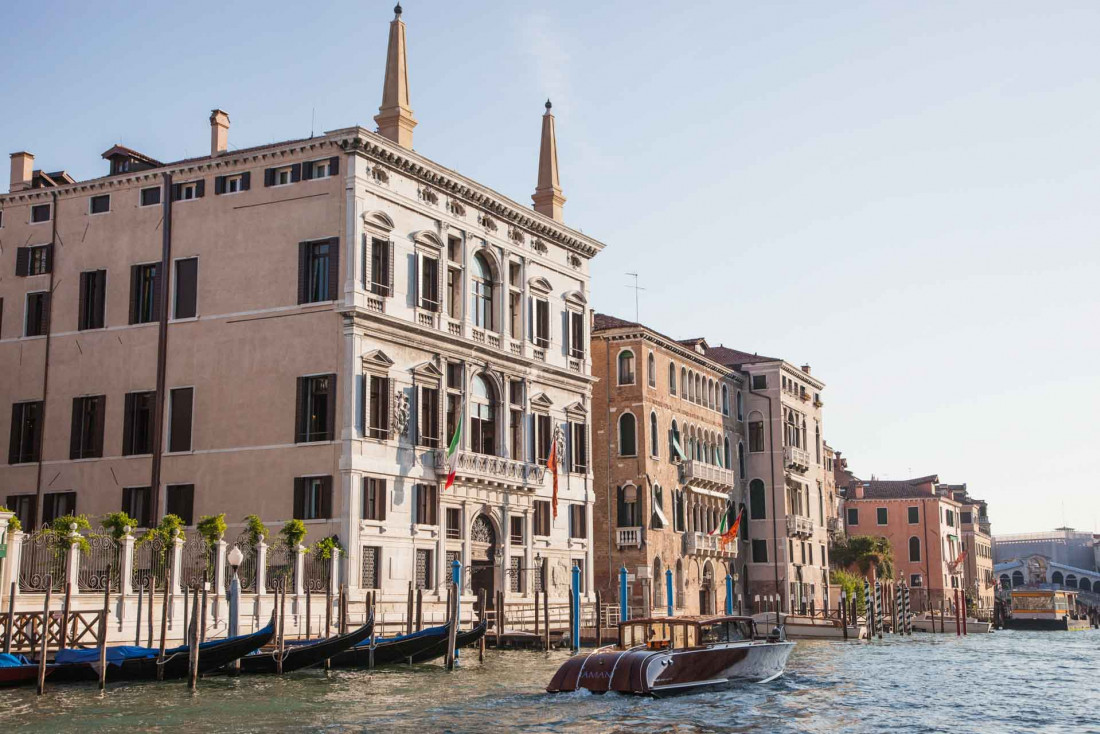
column 395, row 117
column 548, row 199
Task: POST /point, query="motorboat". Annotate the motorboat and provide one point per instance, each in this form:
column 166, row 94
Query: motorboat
column 662, row 656
column 805, row 627
column 925, row 623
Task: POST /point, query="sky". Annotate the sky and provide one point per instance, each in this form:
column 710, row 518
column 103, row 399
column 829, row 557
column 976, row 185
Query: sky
column 903, row 195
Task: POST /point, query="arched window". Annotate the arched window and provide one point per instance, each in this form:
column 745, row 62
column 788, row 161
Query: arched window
column 654, row 442
column 658, row 503
column 740, row 406
column 744, row 525
column 626, row 367
column 1071, row 580
column 628, row 514
column 684, row 385
column 483, row 293
column 689, row 387
column 1006, row 583
column 757, row 506
column 671, row 378
column 725, row 400
column 483, row 430
column 914, row 549
column 741, row 468
column 1017, row 578
column 652, row 370
column 700, row 399
column 712, row 396
column 628, row 438
column 1084, row 584
column 658, row 584
column 726, row 452
column 1057, row 578
column 679, row 581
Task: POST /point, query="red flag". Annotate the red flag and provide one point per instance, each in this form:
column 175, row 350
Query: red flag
column 552, row 465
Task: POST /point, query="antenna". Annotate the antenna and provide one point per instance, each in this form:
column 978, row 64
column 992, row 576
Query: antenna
column 312, row 121
column 636, row 288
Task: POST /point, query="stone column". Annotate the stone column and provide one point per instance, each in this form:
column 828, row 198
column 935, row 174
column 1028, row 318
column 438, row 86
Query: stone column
column 177, row 561
column 261, row 568
column 219, row 567
column 5, row 563
column 126, row 561
column 299, row 569
column 13, row 561
column 72, row 568
column 506, row 563
column 528, row 559
column 334, row 571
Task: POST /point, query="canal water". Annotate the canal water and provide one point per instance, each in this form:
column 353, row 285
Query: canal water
column 1004, row 682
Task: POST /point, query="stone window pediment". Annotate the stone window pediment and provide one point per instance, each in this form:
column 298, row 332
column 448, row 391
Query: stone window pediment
column 427, row 238
column 575, row 411
column 377, row 360
column 575, row 298
column 540, row 285
column 541, row 401
column 428, row 370
column 378, row 220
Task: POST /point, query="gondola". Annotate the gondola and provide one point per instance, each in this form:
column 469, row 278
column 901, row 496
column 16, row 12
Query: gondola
column 462, row 639
column 16, row 670
column 387, row 651
column 307, row 654
column 125, row 663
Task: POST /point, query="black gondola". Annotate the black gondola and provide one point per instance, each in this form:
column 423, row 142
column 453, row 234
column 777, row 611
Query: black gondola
column 388, row 651
column 305, row 655
column 140, row 663
column 462, row 639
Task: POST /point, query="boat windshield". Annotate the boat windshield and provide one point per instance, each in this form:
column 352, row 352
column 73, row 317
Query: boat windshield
column 730, row 631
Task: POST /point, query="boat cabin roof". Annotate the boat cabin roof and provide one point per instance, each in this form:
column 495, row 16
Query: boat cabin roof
column 689, row 619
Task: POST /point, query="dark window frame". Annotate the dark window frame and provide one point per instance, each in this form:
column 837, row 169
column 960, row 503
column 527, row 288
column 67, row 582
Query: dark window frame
column 86, row 431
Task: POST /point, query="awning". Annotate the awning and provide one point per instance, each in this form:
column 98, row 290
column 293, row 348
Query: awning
column 661, row 515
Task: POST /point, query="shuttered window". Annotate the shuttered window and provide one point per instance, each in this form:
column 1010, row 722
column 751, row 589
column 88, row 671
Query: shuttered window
column 37, row 319
column 57, row 504
column 86, row 435
column 578, row 448
column 180, row 402
column 321, row 169
column 188, row 190
column 318, row 270
column 25, row 442
column 180, row 501
column 425, row 507
column 150, row 197
column 93, row 293
column 36, row 260
column 316, row 412
column 312, row 498
column 136, row 502
column 543, row 438
column 542, row 322
column 232, row 183
column 542, row 518
column 381, row 267
column 25, row 507
column 187, row 283
column 144, row 289
column 454, row 523
column 378, row 423
column 374, row 499
column 137, row 423
column 576, row 334
column 429, row 416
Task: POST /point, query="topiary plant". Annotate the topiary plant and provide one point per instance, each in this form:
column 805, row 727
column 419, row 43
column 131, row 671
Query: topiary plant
column 116, row 523
column 324, row 547
column 14, row 526
column 211, row 528
column 255, row 527
column 165, row 530
column 62, row 526
column 293, row 532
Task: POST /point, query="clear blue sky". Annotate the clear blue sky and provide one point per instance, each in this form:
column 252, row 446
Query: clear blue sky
column 903, row 195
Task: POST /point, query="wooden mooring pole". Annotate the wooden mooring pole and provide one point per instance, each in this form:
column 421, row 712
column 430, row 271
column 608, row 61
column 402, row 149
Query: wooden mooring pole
column 103, row 631
column 140, row 609
column 65, row 607
column 193, row 643
column 11, row 619
column 164, row 621
column 45, row 636
column 202, row 625
column 481, row 602
column 842, row 612
column 419, row 609
column 449, row 653
column 282, row 628
column 599, row 620
column 409, row 611
column 546, row 620
column 536, row 612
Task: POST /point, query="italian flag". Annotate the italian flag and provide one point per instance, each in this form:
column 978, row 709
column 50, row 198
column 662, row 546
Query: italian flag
column 723, row 527
column 452, row 456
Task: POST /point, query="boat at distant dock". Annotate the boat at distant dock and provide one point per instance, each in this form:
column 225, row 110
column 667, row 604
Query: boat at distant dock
column 805, row 627
column 1044, row 609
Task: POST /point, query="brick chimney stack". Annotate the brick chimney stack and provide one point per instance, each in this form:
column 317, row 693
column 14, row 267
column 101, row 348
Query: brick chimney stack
column 219, row 132
column 22, row 171
column 806, row 368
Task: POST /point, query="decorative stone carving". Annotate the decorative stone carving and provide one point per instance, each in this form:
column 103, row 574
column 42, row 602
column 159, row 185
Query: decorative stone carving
column 574, row 262
column 516, row 235
column 456, row 208
column 379, row 175
column 487, row 222
column 427, row 195
column 400, row 413
column 539, row 246
column 559, row 442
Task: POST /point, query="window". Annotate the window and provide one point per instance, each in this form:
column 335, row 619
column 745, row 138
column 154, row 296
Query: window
column 576, row 335
column 966, row 518
column 950, row 518
column 137, row 504
column 316, row 411
column 482, row 296
column 759, row 550
column 318, row 271
column 725, row 400
column 36, row 260
column 914, row 515
column 915, row 580
column 626, row 367
column 25, row 507
column 483, row 417
column 756, row 436
column 454, row 295
column 654, row 442
column 742, row 462
column 374, row 499
column 628, row 514
column 914, row 549
column 454, row 397
column 36, row 321
column 40, row 213
column 577, row 525
column 542, row 518
column 86, row 436
column 424, row 507
column 283, row 175
column 312, row 498
column 137, row 423
column 627, row 435
column 429, row 284
column 150, row 197
column 423, row 568
column 515, row 575
column 187, row 283
column 429, row 416
column 232, row 184
column 740, row 406
column 515, row 314
column 651, row 369
column 25, row 444
column 542, row 322
column 757, row 501
column 759, row 382
column 180, row 501
column 93, row 292
column 515, row 529
column 378, row 425
column 57, row 504
column 544, row 436
column 370, row 573
column 515, row 426
column 180, row 402
column 99, row 204
column 671, row 379
column 321, row 169
column 578, row 448
column 454, row 523
column 381, row 267
column 144, row 287
column 881, row 516
column 853, row 516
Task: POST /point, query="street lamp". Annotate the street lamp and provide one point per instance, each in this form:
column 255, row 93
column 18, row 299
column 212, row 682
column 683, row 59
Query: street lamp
column 235, row 557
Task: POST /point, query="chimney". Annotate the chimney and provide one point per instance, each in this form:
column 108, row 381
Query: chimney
column 395, row 117
column 22, row 171
column 806, row 368
column 858, row 491
column 219, row 132
column 548, row 199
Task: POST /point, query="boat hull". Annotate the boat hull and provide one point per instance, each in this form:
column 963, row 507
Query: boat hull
column 404, row 649
column 973, row 626
column 20, row 675
column 1061, row 624
column 300, row 657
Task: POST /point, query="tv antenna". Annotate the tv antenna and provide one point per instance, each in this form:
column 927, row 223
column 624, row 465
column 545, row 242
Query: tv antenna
column 636, row 288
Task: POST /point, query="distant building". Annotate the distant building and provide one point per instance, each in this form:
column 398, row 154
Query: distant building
column 1064, row 545
column 978, row 577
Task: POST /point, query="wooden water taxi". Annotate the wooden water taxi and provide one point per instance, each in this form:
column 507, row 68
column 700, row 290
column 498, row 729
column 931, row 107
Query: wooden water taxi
column 805, row 627
column 1044, row 609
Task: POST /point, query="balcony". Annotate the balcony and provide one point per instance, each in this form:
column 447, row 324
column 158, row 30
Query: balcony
column 492, row 471
column 834, row 525
column 628, row 537
column 799, row 527
column 983, row 527
column 707, row 476
column 701, row 544
column 796, row 459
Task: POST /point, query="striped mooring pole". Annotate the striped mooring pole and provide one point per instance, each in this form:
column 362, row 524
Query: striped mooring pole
column 908, row 612
column 878, row 609
column 868, row 609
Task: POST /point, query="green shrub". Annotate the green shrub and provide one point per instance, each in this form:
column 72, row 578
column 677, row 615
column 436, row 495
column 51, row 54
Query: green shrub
column 324, row 547
column 294, row 532
column 14, row 526
column 116, row 523
column 255, row 528
column 850, row 584
column 166, row 530
column 62, row 526
column 211, row 528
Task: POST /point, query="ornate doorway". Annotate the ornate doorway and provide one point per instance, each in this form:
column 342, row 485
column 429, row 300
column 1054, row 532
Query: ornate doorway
column 483, row 545
column 706, row 590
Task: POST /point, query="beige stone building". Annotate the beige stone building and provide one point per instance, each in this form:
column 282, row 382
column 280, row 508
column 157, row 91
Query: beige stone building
column 297, row 330
column 977, row 541
column 667, row 432
column 787, row 554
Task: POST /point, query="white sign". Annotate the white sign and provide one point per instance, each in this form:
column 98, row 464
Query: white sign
column 629, row 578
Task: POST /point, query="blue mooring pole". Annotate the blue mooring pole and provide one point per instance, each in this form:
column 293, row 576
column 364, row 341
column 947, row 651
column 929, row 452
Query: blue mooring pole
column 668, row 589
column 729, row 594
column 576, row 608
column 456, row 577
column 623, row 612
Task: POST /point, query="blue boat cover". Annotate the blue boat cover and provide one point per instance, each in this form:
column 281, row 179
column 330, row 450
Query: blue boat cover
column 12, row 661
column 115, row 655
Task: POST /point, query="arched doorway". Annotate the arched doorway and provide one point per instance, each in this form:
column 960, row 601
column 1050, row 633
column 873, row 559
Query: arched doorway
column 483, row 545
column 706, row 590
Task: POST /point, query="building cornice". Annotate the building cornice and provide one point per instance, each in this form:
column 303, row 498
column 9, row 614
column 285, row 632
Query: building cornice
column 647, row 335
